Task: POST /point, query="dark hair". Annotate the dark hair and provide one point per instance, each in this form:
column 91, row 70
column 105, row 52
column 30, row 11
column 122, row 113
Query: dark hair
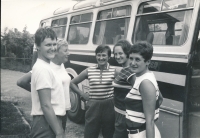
column 144, row 48
column 43, row 33
column 125, row 45
column 102, row 48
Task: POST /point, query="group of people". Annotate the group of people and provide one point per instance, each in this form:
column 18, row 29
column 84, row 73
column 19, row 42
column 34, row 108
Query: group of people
column 122, row 102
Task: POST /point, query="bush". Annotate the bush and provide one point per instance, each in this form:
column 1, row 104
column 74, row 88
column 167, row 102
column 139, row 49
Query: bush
column 17, row 64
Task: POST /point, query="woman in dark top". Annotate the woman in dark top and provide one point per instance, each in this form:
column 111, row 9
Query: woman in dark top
column 121, row 86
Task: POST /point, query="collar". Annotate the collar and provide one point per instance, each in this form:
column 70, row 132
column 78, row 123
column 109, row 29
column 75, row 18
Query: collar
column 107, row 67
column 55, row 65
column 42, row 61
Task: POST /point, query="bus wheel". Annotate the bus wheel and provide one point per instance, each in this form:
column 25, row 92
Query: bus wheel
column 76, row 114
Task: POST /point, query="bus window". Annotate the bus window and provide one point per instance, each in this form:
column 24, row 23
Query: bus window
column 163, row 28
column 59, row 26
column 176, row 4
column 79, row 29
column 112, row 25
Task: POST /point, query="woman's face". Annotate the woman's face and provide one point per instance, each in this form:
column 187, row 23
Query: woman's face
column 63, row 54
column 120, row 56
column 138, row 64
column 47, row 49
column 102, row 58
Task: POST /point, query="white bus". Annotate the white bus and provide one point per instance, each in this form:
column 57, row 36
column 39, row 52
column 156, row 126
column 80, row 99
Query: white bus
column 172, row 26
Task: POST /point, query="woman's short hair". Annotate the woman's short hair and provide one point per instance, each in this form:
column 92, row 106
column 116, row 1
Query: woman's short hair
column 102, row 48
column 61, row 43
column 43, row 33
column 125, row 45
column 144, row 48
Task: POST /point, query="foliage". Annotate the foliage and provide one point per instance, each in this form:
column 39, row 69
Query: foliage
column 23, row 65
column 16, row 44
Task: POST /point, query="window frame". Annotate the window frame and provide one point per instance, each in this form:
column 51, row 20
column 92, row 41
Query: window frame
column 161, row 12
column 109, row 19
column 79, row 23
column 60, row 26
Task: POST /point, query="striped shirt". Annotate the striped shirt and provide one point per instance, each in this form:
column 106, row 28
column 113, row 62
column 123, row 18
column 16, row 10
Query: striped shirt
column 100, row 82
column 135, row 117
column 121, row 88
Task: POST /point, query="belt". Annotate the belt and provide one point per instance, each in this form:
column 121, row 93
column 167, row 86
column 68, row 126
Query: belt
column 120, row 111
column 136, row 130
column 99, row 99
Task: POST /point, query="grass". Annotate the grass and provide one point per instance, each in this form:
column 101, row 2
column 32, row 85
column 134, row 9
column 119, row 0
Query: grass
column 11, row 122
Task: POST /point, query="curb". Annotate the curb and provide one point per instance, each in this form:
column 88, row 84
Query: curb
column 23, row 119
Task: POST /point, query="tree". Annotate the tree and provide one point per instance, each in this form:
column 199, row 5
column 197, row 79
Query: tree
column 14, row 42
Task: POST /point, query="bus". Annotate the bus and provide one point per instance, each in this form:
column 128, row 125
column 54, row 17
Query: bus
column 171, row 26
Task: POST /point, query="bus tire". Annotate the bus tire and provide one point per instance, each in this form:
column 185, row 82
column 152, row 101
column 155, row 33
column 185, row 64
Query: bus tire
column 76, row 114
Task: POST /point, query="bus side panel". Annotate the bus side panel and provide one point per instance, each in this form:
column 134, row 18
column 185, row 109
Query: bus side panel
column 194, row 125
column 169, row 122
column 77, row 67
column 170, row 119
column 194, row 104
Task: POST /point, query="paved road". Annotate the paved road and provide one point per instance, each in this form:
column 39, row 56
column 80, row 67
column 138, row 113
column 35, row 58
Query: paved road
column 22, row 99
column 11, row 92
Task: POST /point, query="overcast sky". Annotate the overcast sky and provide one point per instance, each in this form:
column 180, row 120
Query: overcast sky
column 18, row 13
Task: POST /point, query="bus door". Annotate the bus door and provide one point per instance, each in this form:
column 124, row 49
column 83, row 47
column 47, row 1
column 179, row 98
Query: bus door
column 169, row 26
column 194, row 91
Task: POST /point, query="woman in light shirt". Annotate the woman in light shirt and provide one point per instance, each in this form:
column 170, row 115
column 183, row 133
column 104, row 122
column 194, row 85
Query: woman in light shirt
column 56, row 64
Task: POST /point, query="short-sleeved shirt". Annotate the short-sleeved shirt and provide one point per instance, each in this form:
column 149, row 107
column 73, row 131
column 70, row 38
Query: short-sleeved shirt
column 62, row 74
column 122, row 87
column 100, row 82
column 43, row 77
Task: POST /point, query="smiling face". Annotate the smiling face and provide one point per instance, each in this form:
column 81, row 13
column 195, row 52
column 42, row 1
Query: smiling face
column 47, row 49
column 138, row 64
column 102, row 58
column 120, row 56
column 63, row 54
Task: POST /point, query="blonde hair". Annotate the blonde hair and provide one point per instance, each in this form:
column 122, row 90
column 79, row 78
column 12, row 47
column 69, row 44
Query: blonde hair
column 60, row 43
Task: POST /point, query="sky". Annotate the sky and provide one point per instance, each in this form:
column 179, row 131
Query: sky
column 21, row 13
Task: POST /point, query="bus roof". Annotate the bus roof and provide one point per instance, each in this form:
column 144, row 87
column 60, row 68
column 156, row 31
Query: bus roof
column 74, row 6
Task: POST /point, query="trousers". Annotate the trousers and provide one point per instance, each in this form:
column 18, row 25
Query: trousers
column 99, row 116
column 120, row 126
column 41, row 129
